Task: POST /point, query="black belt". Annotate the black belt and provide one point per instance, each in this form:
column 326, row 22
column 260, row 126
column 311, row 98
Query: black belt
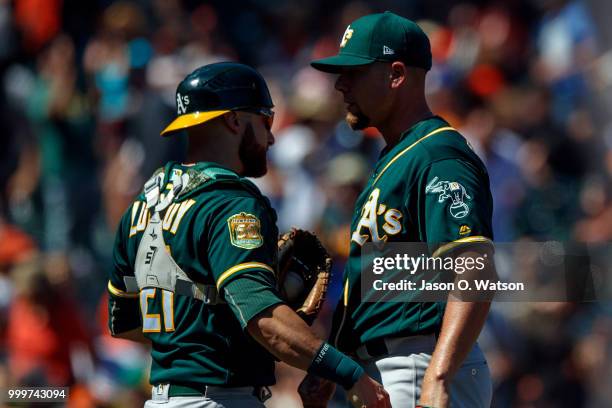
column 262, row 393
column 377, row 347
column 384, row 346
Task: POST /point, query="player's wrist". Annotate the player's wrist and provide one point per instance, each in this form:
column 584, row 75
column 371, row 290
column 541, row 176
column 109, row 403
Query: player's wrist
column 439, row 371
column 336, row 366
column 438, row 377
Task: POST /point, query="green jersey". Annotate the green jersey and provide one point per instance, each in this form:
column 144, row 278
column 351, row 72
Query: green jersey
column 222, row 233
column 432, row 188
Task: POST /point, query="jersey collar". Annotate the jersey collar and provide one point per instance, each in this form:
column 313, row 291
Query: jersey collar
column 414, row 132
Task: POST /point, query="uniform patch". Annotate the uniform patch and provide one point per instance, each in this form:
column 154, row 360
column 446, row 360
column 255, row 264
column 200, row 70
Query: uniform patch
column 464, row 230
column 245, row 231
column 450, row 190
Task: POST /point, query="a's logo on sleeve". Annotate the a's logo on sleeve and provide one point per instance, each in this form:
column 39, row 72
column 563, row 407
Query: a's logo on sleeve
column 245, row 231
column 453, row 191
column 464, row 230
column 348, row 33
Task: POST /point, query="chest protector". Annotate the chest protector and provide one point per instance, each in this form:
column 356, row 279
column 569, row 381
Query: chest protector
column 155, row 267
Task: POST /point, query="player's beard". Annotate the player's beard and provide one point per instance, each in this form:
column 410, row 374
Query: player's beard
column 357, row 121
column 252, row 154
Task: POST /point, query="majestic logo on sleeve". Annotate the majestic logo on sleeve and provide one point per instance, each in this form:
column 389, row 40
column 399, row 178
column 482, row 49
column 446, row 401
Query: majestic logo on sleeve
column 464, row 230
column 348, row 33
column 367, row 228
column 453, row 191
column 245, row 231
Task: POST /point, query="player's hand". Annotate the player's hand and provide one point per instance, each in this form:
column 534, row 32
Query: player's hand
column 316, row 392
column 434, row 393
column 367, row 393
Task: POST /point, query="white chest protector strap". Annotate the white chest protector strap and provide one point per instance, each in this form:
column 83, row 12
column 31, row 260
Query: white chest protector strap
column 155, row 267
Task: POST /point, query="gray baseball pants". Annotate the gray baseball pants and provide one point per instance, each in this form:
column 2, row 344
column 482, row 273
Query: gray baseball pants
column 401, row 372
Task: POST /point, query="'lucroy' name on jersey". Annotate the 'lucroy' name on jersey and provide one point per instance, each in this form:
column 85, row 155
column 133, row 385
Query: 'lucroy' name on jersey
column 172, row 217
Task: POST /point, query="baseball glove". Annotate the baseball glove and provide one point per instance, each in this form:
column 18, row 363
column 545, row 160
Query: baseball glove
column 304, row 269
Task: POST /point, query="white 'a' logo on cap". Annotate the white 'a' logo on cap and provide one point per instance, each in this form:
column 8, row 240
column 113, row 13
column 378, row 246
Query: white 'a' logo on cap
column 348, row 33
column 181, row 103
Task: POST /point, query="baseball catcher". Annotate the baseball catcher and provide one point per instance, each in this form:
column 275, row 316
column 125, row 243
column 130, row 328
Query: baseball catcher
column 196, row 258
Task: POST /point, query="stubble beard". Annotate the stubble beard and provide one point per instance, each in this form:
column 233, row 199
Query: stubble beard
column 357, row 121
column 252, row 155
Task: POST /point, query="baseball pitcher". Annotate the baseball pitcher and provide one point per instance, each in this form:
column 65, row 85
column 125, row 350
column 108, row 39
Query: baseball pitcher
column 428, row 186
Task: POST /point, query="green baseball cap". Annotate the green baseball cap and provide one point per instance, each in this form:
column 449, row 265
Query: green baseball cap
column 379, row 37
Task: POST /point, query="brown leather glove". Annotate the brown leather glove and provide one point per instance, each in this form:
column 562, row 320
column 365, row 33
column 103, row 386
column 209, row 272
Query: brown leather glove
column 304, row 269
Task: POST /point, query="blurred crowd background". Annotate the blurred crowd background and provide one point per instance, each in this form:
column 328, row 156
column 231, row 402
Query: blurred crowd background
column 86, row 87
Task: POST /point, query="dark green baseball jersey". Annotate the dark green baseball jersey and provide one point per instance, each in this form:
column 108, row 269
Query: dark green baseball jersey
column 431, row 188
column 222, row 233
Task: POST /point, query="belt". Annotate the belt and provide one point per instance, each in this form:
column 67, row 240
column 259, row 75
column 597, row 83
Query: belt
column 385, row 346
column 164, row 391
column 175, row 390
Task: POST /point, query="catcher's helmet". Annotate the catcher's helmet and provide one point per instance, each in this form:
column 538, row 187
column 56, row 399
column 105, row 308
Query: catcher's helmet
column 215, row 89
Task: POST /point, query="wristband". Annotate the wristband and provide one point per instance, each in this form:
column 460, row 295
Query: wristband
column 333, row 365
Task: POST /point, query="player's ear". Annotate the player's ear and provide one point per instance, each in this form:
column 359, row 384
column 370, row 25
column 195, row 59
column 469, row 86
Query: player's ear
column 398, row 74
column 233, row 122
